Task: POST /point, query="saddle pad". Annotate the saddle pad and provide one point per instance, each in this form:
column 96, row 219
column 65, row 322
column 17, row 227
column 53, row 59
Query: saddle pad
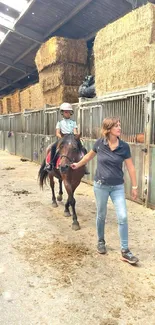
column 48, row 159
column 58, row 162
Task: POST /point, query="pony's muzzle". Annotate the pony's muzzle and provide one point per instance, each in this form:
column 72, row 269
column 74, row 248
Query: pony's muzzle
column 63, row 169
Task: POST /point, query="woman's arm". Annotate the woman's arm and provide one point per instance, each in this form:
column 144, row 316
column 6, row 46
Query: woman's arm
column 132, row 173
column 90, row 155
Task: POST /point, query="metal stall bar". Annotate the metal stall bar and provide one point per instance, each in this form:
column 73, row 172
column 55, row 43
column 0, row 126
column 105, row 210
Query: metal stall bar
column 146, row 149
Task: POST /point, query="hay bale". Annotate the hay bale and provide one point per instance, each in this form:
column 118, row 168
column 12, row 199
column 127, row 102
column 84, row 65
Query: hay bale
column 1, row 106
column 4, row 104
column 68, row 74
column 25, row 99
column 124, row 52
column 15, row 102
column 61, row 94
column 7, row 104
column 37, row 99
column 61, row 50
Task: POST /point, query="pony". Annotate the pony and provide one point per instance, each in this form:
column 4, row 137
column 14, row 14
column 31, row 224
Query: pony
column 69, row 149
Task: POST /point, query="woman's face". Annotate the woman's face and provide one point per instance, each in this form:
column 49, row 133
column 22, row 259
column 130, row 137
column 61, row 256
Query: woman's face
column 116, row 129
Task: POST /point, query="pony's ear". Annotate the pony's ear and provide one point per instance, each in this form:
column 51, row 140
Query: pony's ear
column 78, row 136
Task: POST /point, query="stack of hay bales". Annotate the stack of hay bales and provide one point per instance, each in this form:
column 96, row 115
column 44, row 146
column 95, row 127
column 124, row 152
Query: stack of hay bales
column 36, row 95
column 25, row 99
column 7, row 104
column 1, row 106
column 15, row 102
column 61, row 64
column 32, row 98
column 125, row 52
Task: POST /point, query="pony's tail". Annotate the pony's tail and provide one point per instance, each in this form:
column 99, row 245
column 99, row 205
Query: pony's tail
column 43, row 174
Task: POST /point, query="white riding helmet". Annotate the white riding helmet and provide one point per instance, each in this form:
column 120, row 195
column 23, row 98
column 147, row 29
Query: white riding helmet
column 66, row 107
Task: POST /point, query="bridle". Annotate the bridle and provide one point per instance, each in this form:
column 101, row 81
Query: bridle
column 70, row 160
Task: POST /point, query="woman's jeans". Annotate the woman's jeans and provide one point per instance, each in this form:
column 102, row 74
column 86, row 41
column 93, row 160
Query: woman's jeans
column 117, row 195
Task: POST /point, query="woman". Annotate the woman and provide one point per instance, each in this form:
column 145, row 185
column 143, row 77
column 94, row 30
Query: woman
column 111, row 153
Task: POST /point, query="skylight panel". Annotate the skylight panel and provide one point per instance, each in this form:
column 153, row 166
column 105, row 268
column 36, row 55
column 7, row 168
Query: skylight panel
column 18, row 5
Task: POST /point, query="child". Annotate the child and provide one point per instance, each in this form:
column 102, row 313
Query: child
column 63, row 127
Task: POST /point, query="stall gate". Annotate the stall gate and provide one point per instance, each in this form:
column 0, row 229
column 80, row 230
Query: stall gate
column 28, row 134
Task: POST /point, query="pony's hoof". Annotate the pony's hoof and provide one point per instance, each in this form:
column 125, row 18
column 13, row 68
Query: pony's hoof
column 67, row 214
column 54, row 205
column 76, row 226
column 59, row 198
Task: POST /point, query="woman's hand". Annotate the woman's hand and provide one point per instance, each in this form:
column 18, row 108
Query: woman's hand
column 134, row 194
column 74, row 166
column 90, row 155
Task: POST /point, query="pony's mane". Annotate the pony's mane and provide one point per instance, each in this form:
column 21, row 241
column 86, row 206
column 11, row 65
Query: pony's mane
column 70, row 138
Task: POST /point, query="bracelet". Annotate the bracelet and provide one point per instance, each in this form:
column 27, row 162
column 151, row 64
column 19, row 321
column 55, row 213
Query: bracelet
column 134, row 187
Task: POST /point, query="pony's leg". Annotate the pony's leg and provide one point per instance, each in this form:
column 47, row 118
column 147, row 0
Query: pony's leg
column 54, row 202
column 71, row 202
column 59, row 197
column 67, row 212
column 75, row 224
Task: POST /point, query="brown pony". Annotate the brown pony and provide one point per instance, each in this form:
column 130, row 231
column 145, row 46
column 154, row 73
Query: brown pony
column 69, row 151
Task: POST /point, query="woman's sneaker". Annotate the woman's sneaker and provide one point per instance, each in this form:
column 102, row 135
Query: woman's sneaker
column 129, row 257
column 101, row 248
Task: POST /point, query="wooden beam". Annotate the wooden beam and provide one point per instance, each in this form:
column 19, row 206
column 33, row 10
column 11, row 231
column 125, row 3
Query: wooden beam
column 5, row 80
column 24, row 32
column 16, row 80
column 134, row 3
column 90, row 36
column 68, row 17
column 18, row 66
column 19, row 58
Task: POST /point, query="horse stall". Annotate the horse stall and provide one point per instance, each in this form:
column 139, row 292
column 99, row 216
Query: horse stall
column 130, row 109
column 28, row 134
column 136, row 111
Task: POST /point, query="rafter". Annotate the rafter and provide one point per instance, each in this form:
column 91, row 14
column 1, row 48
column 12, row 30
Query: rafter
column 24, row 32
column 5, row 80
column 18, row 66
column 19, row 58
column 68, row 17
column 16, row 81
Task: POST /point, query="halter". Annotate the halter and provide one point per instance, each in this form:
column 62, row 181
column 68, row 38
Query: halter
column 64, row 156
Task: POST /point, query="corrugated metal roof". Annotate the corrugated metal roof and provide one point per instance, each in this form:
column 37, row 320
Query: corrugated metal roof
column 43, row 19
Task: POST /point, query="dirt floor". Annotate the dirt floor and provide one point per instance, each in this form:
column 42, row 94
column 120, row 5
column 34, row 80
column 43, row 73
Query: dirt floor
column 52, row 275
